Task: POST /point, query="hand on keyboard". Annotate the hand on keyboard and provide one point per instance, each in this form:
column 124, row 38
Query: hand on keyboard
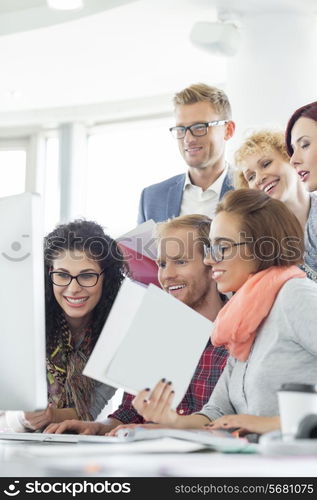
column 240, row 425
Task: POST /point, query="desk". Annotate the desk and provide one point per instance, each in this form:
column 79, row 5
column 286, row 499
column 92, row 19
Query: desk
column 164, row 458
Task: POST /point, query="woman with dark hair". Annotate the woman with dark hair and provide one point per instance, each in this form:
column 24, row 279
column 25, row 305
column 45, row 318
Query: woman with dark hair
column 84, row 269
column 301, row 143
column 262, row 163
column 268, row 326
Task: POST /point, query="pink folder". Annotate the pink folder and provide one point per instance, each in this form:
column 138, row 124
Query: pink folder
column 139, row 249
column 142, row 268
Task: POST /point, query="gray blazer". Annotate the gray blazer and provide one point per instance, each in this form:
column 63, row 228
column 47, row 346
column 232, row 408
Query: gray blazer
column 163, row 200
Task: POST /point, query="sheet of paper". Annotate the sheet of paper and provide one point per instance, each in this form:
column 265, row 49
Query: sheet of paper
column 121, row 316
column 145, row 340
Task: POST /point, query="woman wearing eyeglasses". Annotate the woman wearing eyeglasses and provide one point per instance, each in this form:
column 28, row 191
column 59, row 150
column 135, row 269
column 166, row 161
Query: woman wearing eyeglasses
column 268, row 326
column 262, row 163
column 83, row 269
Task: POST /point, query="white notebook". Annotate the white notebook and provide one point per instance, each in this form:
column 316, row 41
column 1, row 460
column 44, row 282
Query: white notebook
column 149, row 335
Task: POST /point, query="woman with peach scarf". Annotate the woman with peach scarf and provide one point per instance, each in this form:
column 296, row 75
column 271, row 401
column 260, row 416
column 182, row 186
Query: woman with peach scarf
column 268, row 326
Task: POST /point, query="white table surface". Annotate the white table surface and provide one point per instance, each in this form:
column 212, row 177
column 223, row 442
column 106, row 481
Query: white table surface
column 163, row 457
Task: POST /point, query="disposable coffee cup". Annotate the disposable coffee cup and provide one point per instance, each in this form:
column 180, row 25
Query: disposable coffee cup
column 295, row 402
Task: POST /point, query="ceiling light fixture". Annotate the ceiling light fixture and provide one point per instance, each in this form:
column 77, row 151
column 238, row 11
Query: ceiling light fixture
column 65, row 4
column 219, row 37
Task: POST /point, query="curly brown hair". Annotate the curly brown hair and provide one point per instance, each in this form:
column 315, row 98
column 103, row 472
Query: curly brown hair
column 89, row 237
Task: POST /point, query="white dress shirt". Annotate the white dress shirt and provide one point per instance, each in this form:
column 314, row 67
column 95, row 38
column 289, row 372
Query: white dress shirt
column 197, row 201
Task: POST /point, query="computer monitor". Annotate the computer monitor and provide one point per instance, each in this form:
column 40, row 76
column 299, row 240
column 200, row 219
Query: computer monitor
column 22, row 304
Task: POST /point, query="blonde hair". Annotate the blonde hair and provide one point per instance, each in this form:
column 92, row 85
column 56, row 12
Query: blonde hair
column 195, row 222
column 200, row 92
column 258, row 142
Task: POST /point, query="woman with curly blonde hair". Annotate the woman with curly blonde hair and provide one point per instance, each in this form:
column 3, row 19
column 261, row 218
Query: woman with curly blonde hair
column 262, row 163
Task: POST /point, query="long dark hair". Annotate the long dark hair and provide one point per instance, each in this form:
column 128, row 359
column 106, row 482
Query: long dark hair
column 307, row 111
column 88, row 237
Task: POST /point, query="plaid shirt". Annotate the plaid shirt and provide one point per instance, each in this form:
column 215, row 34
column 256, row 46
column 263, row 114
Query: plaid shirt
column 210, row 366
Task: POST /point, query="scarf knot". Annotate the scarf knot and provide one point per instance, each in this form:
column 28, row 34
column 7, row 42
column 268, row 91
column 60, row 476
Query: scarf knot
column 238, row 321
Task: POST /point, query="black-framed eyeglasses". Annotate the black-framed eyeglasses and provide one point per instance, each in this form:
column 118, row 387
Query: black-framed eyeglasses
column 60, row 278
column 217, row 252
column 197, row 129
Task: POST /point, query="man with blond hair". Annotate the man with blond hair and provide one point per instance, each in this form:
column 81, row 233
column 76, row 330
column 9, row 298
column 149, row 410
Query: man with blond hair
column 203, row 126
column 183, row 274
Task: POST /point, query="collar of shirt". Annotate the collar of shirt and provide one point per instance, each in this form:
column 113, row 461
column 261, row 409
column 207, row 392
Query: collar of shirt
column 215, row 186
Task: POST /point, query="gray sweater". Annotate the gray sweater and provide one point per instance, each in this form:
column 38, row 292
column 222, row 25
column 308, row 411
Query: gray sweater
column 285, row 350
column 311, row 234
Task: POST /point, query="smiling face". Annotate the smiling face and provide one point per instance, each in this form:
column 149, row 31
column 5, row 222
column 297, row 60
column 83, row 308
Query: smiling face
column 208, row 150
column 182, row 272
column 269, row 172
column 238, row 263
column 304, row 158
column 77, row 301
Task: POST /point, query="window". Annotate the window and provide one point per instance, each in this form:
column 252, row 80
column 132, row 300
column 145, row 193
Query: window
column 13, row 171
column 52, row 188
column 123, row 158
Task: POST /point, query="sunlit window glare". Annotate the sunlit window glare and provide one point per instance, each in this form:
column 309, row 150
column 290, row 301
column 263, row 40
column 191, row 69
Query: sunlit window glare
column 13, row 171
column 122, row 160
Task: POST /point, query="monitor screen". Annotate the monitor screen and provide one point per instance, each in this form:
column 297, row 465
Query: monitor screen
column 22, row 304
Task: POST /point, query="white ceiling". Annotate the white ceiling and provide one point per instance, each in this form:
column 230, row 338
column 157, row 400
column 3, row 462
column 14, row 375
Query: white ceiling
column 138, row 49
column 135, row 50
column 16, row 5
column 24, row 15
